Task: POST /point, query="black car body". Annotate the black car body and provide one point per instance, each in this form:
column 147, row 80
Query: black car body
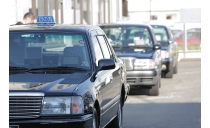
column 169, row 49
column 64, row 76
column 135, row 44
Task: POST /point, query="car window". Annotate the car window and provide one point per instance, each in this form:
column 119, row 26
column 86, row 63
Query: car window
column 128, row 36
column 170, row 33
column 104, row 47
column 129, row 39
column 111, row 51
column 193, row 35
column 97, row 48
column 38, row 49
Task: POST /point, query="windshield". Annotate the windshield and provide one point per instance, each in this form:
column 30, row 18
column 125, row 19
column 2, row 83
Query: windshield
column 160, row 34
column 129, row 39
column 37, row 50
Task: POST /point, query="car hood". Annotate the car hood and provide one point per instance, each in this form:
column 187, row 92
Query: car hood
column 129, row 58
column 61, row 84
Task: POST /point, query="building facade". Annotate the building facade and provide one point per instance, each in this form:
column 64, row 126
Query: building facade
column 159, row 10
column 68, row 11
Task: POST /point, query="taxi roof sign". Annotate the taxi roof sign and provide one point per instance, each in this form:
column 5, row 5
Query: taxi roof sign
column 45, row 19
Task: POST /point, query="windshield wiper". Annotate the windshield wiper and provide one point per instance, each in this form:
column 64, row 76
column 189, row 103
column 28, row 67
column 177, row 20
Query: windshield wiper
column 57, row 68
column 17, row 68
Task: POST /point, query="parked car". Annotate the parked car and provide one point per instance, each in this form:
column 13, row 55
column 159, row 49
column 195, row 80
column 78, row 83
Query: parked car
column 64, row 76
column 136, row 45
column 169, row 49
column 193, row 36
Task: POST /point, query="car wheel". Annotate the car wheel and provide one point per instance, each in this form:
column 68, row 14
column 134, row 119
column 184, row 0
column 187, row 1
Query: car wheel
column 154, row 91
column 117, row 121
column 176, row 68
column 170, row 73
column 95, row 119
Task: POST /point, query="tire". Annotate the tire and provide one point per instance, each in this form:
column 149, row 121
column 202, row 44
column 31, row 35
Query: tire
column 117, row 121
column 170, row 73
column 154, row 91
column 176, row 68
column 95, row 119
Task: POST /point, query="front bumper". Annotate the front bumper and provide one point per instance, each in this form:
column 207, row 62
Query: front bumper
column 167, row 64
column 142, row 77
column 77, row 121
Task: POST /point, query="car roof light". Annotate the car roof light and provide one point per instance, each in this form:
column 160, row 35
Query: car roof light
column 45, row 21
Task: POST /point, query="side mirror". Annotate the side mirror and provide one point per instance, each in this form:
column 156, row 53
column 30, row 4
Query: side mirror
column 106, row 64
column 170, row 41
column 103, row 64
column 157, row 47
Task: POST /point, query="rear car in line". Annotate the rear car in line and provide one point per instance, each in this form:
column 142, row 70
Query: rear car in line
column 169, row 49
column 136, row 45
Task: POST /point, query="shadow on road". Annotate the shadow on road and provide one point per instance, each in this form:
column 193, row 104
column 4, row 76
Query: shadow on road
column 164, row 115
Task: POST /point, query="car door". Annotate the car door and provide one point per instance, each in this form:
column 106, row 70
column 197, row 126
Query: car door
column 98, row 55
column 174, row 48
column 112, row 84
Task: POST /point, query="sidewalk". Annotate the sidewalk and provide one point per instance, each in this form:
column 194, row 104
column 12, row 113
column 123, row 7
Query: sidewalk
column 194, row 55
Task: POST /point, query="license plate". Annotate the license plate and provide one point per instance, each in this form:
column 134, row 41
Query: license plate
column 14, row 126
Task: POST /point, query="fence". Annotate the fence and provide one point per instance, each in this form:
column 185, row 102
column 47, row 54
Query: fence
column 187, row 36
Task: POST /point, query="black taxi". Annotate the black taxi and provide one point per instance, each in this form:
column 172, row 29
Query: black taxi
column 169, row 49
column 64, row 76
column 136, row 45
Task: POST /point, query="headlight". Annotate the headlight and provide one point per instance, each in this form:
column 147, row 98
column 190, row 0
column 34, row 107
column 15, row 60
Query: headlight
column 62, row 105
column 144, row 64
column 164, row 54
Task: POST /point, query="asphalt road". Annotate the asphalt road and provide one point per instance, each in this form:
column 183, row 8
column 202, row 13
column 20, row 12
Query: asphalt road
column 177, row 106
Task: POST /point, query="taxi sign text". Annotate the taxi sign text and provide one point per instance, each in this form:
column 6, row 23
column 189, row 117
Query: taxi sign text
column 45, row 19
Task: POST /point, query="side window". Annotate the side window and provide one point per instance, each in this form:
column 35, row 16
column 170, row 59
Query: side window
column 97, row 48
column 110, row 49
column 170, row 34
column 104, row 47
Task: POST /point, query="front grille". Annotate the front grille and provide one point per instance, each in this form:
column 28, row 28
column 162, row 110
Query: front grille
column 24, row 107
column 146, row 80
column 131, row 80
